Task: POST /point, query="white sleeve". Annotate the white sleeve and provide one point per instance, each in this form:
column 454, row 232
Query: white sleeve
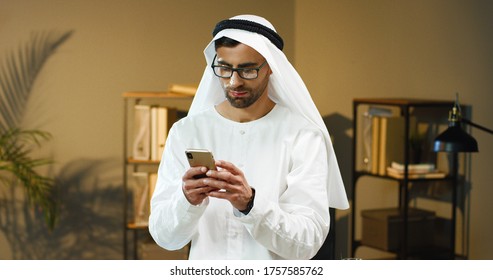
column 296, row 226
column 173, row 220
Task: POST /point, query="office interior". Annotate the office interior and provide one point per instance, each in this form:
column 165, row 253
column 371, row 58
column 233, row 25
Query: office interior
column 342, row 50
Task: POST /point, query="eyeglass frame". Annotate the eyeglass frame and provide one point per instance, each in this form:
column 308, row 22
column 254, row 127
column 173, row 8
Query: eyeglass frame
column 237, row 70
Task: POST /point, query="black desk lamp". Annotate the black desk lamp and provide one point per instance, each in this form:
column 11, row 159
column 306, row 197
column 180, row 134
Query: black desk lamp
column 454, row 139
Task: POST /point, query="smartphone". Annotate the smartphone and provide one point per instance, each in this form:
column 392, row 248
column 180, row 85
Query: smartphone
column 200, row 157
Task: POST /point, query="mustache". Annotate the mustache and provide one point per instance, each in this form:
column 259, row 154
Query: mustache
column 228, row 88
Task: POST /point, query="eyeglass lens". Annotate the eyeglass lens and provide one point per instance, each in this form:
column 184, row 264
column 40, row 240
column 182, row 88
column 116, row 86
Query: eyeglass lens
column 227, row 72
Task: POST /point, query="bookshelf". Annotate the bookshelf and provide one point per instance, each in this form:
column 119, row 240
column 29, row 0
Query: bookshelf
column 406, row 231
column 136, row 231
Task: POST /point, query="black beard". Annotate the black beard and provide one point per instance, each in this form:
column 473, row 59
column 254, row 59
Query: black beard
column 242, row 102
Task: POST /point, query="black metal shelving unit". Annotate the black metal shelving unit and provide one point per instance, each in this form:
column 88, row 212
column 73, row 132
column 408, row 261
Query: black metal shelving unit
column 406, row 108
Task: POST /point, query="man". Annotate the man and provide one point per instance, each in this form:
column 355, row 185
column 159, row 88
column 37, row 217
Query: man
column 276, row 175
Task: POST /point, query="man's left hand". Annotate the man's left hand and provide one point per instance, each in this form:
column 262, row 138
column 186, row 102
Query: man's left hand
column 231, row 183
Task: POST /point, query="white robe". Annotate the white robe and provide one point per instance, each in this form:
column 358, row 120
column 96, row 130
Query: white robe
column 286, row 88
column 283, row 156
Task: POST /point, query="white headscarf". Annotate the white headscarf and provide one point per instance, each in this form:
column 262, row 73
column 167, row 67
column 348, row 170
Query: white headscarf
column 285, row 88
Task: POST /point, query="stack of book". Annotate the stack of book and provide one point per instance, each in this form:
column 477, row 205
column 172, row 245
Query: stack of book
column 415, row 171
column 143, row 187
column 151, row 126
column 383, row 147
column 383, row 139
column 186, row 89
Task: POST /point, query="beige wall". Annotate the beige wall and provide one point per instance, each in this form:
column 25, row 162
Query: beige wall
column 343, row 49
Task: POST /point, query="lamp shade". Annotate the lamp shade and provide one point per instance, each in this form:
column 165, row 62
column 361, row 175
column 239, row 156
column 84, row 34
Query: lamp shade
column 454, row 139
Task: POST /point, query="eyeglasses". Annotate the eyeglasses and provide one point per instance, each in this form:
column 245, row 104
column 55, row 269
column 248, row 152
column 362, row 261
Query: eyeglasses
column 227, row 72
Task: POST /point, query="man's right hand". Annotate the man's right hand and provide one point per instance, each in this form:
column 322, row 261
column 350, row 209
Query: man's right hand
column 193, row 185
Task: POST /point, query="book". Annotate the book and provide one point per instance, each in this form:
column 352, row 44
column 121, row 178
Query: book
column 152, row 183
column 143, row 187
column 364, row 142
column 162, row 130
column 435, row 174
column 162, row 118
column 154, row 133
column 140, row 197
column 142, row 132
column 391, row 145
column 371, row 137
column 375, row 142
column 413, row 168
column 167, row 116
column 187, row 89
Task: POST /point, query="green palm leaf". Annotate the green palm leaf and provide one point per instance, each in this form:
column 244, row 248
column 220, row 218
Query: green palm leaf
column 17, row 75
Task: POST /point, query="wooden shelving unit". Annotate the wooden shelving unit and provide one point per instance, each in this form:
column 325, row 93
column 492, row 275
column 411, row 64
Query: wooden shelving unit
column 131, row 165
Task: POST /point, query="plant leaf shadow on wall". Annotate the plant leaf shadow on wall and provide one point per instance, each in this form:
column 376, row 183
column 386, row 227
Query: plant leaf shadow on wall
column 89, row 224
column 83, row 199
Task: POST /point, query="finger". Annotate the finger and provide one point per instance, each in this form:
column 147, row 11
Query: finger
column 224, row 175
column 220, row 194
column 200, row 191
column 229, row 166
column 194, row 173
column 196, row 195
column 200, row 185
column 195, row 198
column 218, row 184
